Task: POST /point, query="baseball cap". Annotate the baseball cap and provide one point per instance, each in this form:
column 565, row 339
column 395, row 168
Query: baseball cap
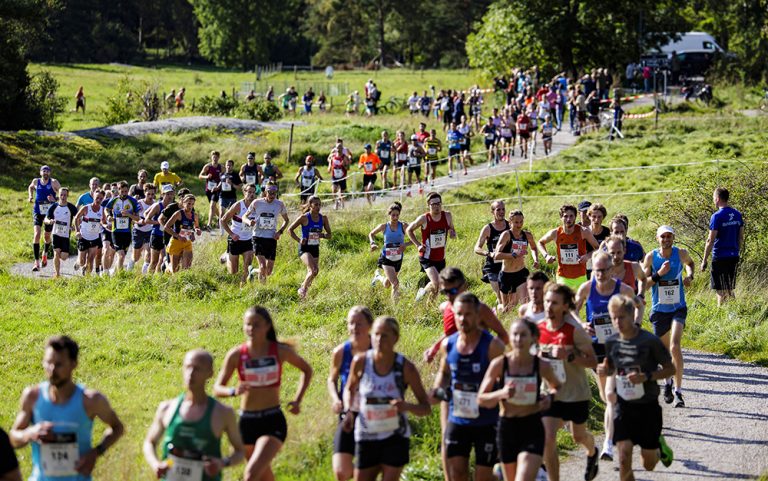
column 367, row 146
column 167, row 188
column 584, row 205
column 165, row 165
column 664, row 229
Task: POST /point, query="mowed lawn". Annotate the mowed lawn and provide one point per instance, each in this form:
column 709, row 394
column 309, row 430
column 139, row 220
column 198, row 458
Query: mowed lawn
column 134, row 330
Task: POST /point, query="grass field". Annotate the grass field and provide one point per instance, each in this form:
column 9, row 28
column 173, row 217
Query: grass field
column 134, row 330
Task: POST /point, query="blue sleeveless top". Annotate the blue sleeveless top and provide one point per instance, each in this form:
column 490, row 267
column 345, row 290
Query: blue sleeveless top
column 467, row 372
column 70, row 424
column 668, row 294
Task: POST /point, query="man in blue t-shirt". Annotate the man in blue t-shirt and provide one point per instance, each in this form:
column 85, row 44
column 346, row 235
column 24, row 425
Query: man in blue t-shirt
column 725, row 241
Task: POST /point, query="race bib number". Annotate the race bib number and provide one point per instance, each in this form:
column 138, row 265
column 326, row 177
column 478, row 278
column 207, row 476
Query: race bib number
column 250, row 179
column 61, row 229
column 184, row 469
column 413, row 161
column 338, row 173
column 526, row 390
column 669, row 292
column 432, row 151
column 392, row 252
column 384, row 154
column 211, row 185
column 569, row 254
column 226, row 187
column 380, row 416
column 263, row 371
column 465, row 401
column 437, row 239
column 314, row 237
column 625, row 388
column 603, row 328
column 59, row 456
column 187, row 234
column 122, row 222
column 267, row 222
column 520, row 247
column 43, row 208
column 401, row 156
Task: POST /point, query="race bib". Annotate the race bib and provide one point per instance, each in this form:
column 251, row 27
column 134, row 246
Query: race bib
column 314, row 237
column 669, row 292
column 380, row 416
column 61, row 229
column 432, row 151
column 58, row 457
column 43, row 208
column 211, row 185
column 520, row 247
column 569, row 254
column 402, row 156
column 384, row 154
column 184, row 469
column 625, row 388
column 465, row 401
column 122, row 223
column 187, row 234
column 267, row 222
column 526, row 390
column 263, row 371
column 603, row 327
column 437, row 239
column 338, row 173
column 392, row 252
column 250, row 179
column 226, row 187
column 413, row 161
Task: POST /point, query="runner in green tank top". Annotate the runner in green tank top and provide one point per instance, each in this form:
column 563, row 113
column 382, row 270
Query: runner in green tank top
column 190, row 427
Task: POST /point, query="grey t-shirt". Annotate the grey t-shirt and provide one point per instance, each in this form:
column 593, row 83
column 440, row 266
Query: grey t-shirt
column 643, row 353
column 266, row 216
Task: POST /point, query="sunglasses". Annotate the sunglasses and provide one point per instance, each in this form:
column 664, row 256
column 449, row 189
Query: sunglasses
column 450, row 291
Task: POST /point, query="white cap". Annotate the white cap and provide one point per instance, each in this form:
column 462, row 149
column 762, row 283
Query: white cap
column 165, row 165
column 664, row 229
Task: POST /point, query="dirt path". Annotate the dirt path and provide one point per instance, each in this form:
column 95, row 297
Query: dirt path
column 722, row 433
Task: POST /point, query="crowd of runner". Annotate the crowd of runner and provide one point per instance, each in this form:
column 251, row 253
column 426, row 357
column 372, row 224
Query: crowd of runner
column 505, row 396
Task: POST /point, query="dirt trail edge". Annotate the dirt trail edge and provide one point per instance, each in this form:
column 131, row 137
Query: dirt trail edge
column 722, row 433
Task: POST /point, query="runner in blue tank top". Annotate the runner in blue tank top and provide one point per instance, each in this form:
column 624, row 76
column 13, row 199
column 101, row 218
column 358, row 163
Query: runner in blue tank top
column 42, row 194
column 664, row 267
column 314, row 226
column 465, row 358
column 359, row 322
column 596, row 293
column 57, row 418
column 391, row 257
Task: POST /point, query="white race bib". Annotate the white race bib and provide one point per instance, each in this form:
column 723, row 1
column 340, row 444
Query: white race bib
column 262, row 371
column 380, row 416
column 625, row 388
column 437, row 239
column 250, row 179
column 61, row 229
column 267, row 222
column 669, row 292
column 184, row 469
column 338, row 173
column 526, row 390
column 603, row 327
column 569, row 254
column 226, row 187
column 122, row 223
column 58, row 457
column 465, row 401
column 211, row 185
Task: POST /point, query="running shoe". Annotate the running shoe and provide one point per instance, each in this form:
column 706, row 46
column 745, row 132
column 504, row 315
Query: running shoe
column 679, row 403
column 420, row 293
column 591, row 472
column 665, row 452
column 607, row 454
column 45, row 260
column 668, row 398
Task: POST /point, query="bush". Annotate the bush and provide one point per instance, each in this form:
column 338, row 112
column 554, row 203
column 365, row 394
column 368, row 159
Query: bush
column 258, row 109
